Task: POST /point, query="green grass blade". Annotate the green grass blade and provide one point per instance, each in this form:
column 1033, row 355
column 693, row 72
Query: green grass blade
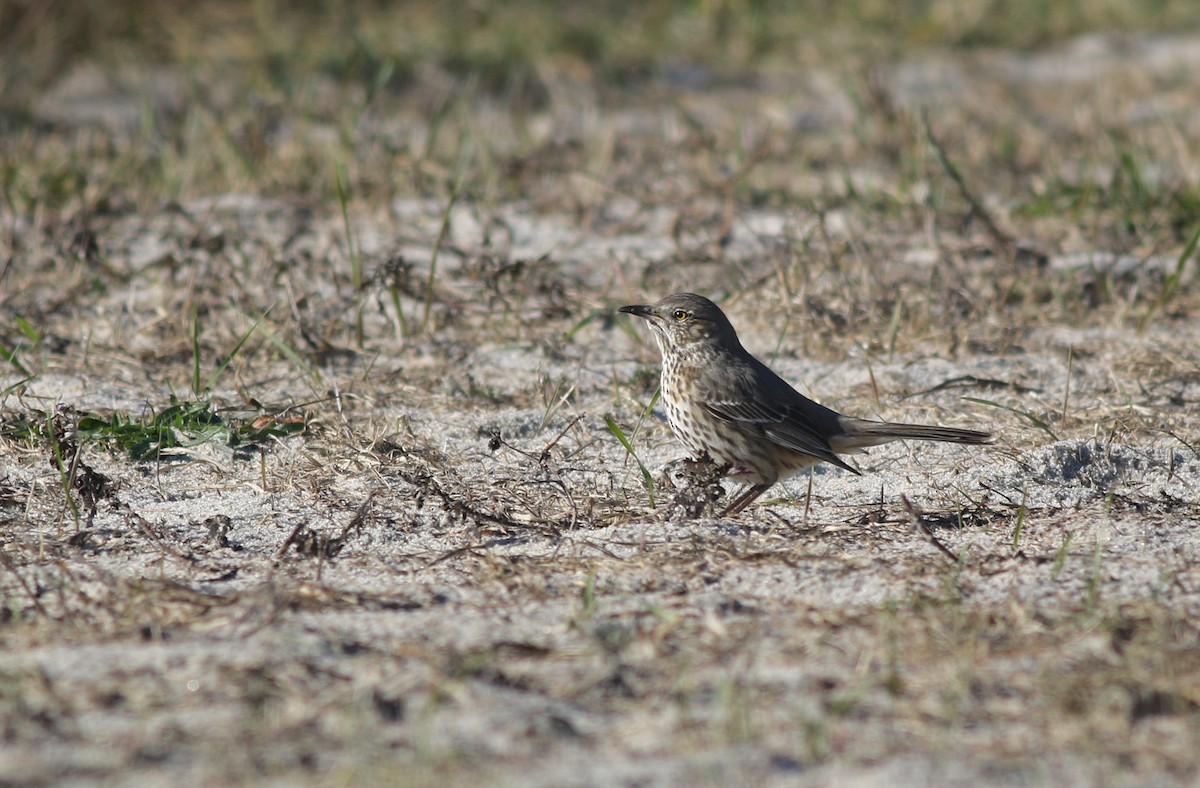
column 195, row 337
column 28, row 330
column 216, row 374
column 647, row 479
column 13, row 387
column 10, row 355
column 288, row 352
column 1171, row 284
column 341, row 185
column 1060, row 557
column 637, row 428
column 570, row 333
column 443, row 232
column 60, row 464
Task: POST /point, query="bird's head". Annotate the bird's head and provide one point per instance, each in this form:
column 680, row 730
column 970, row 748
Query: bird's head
column 684, row 320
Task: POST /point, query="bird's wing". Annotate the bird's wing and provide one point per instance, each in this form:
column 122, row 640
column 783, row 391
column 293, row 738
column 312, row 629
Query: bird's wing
column 789, row 425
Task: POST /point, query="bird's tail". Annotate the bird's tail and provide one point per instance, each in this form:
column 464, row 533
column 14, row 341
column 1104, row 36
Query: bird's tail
column 860, row 433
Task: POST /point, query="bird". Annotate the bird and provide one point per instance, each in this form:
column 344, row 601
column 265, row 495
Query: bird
column 727, row 407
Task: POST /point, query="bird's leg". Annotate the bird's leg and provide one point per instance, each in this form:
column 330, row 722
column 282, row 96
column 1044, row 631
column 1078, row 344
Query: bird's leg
column 745, row 499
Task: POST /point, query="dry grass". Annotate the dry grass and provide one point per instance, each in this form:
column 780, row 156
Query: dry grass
column 309, row 346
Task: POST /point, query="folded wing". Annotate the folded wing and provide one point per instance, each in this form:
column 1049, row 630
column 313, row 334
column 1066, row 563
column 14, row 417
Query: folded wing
column 790, row 426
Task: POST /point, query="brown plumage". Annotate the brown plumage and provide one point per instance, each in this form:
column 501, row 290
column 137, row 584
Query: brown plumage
column 726, row 406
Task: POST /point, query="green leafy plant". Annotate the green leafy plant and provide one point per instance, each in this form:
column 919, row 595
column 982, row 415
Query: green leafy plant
column 182, row 425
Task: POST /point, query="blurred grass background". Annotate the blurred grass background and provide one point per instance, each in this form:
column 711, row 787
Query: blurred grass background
column 506, row 42
column 270, row 97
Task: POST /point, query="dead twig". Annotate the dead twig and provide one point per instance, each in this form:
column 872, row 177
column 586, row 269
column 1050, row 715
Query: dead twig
column 918, row 523
column 1008, row 246
column 427, row 484
column 310, row 543
column 967, row 381
column 11, row 567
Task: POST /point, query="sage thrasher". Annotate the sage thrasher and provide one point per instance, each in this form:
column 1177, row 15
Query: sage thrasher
column 724, row 405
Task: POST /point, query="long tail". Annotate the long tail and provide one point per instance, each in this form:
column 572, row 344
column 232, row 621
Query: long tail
column 860, row 433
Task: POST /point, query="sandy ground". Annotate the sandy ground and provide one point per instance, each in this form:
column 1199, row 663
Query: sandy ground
column 456, row 572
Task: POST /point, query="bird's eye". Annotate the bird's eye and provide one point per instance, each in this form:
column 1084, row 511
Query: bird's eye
column 679, row 314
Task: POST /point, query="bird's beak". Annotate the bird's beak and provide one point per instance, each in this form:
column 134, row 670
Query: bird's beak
column 641, row 310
